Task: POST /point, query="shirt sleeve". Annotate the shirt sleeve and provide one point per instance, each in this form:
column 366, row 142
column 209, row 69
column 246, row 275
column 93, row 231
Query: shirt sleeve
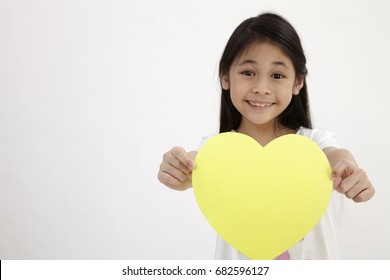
column 323, row 138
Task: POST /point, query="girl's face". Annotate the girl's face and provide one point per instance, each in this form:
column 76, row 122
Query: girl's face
column 262, row 82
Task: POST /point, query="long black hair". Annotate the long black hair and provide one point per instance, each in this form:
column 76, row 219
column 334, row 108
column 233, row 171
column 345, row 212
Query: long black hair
column 274, row 29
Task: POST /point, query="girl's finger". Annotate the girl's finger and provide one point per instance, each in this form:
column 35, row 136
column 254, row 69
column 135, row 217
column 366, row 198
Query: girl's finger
column 348, row 183
column 173, row 171
column 171, row 159
column 168, row 179
column 179, row 165
column 356, row 189
column 340, row 171
column 181, row 155
column 365, row 195
column 358, row 179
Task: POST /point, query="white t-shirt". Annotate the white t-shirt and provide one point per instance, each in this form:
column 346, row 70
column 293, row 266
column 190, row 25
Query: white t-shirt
column 321, row 242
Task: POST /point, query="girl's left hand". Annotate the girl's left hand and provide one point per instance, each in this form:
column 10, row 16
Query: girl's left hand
column 352, row 181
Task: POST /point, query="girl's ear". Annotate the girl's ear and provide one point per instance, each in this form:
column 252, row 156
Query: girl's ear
column 299, row 81
column 225, row 82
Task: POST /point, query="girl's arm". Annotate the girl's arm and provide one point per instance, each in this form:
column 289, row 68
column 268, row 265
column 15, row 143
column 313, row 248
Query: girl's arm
column 348, row 178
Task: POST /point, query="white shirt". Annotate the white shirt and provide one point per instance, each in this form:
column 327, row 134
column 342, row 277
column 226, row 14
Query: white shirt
column 320, row 242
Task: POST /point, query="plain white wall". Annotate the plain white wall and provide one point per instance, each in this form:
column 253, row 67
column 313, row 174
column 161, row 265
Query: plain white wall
column 92, row 93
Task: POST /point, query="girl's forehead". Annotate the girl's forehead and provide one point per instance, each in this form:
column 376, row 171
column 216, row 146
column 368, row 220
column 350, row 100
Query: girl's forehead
column 262, row 48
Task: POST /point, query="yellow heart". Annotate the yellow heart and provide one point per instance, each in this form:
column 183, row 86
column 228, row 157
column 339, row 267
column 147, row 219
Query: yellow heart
column 262, row 200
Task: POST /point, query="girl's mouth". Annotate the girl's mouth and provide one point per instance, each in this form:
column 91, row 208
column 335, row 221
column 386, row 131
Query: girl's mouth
column 259, row 104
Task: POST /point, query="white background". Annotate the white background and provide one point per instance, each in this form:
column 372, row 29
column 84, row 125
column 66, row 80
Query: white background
column 92, row 93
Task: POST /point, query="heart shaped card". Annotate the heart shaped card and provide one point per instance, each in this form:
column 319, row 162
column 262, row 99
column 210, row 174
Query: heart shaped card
column 261, row 200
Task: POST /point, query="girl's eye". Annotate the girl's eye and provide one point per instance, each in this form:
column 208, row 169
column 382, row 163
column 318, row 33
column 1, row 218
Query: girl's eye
column 277, row 76
column 248, row 73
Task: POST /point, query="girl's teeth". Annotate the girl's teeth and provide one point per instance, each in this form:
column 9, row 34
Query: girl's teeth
column 260, row 105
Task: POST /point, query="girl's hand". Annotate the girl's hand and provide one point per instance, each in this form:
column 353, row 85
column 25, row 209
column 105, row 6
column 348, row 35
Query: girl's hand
column 352, row 181
column 176, row 169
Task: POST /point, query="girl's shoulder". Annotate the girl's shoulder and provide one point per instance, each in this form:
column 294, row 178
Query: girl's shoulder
column 323, row 138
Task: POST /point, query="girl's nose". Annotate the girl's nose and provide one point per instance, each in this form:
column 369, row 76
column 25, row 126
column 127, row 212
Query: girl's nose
column 261, row 87
column 262, row 91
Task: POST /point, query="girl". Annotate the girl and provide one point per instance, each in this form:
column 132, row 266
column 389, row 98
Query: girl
column 264, row 95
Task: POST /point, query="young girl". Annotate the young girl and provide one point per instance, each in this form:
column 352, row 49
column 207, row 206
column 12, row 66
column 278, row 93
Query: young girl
column 264, row 95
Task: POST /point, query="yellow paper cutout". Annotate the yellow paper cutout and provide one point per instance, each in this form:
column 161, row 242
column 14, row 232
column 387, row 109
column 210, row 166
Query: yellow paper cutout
column 262, row 200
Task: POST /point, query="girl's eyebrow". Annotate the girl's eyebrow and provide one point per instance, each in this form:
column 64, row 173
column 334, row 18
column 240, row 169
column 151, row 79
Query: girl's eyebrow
column 276, row 63
column 248, row 61
column 281, row 63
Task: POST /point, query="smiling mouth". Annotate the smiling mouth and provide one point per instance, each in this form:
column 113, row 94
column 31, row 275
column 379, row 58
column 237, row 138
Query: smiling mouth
column 259, row 104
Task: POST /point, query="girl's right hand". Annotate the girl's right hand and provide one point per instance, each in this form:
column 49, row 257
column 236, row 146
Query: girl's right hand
column 176, row 169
